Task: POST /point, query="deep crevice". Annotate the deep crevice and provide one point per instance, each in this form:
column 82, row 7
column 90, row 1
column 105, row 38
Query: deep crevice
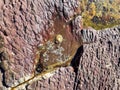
column 3, row 81
column 75, row 64
column 119, row 62
column 2, row 71
column 76, row 60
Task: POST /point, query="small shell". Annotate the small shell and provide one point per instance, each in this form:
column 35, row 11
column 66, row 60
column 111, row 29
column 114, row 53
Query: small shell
column 58, row 39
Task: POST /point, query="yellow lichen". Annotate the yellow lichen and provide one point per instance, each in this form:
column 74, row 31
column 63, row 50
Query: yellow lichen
column 107, row 13
column 58, row 38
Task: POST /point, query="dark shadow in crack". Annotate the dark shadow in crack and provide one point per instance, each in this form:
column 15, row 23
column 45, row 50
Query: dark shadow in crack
column 3, row 78
column 119, row 62
column 2, row 71
column 75, row 61
column 75, row 64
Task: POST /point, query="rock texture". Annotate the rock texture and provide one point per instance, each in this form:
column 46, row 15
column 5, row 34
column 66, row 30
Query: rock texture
column 99, row 64
column 96, row 64
column 63, row 79
column 26, row 24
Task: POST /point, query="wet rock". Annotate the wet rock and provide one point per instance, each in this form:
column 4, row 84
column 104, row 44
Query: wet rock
column 24, row 25
column 95, row 65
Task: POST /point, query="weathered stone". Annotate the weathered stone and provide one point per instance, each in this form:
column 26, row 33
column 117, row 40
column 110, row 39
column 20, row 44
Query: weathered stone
column 96, row 65
column 99, row 63
column 63, row 79
column 24, row 25
column 27, row 24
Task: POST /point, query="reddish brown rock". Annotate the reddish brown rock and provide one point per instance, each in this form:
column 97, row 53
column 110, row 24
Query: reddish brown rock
column 24, row 25
column 96, row 65
column 63, row 79
column 99, row 63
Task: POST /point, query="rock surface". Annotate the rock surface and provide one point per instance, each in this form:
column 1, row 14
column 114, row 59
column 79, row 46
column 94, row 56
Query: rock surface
column 63, row 79
column 99, row 68
column 26, row 24
column 96, row 64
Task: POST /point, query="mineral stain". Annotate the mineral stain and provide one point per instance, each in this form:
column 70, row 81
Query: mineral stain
column 58, row 50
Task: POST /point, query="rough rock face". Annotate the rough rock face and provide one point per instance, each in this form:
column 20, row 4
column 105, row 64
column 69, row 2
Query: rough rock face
column 99, row 64
column 63, row 79
column 96, row 64
column 26, row 24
